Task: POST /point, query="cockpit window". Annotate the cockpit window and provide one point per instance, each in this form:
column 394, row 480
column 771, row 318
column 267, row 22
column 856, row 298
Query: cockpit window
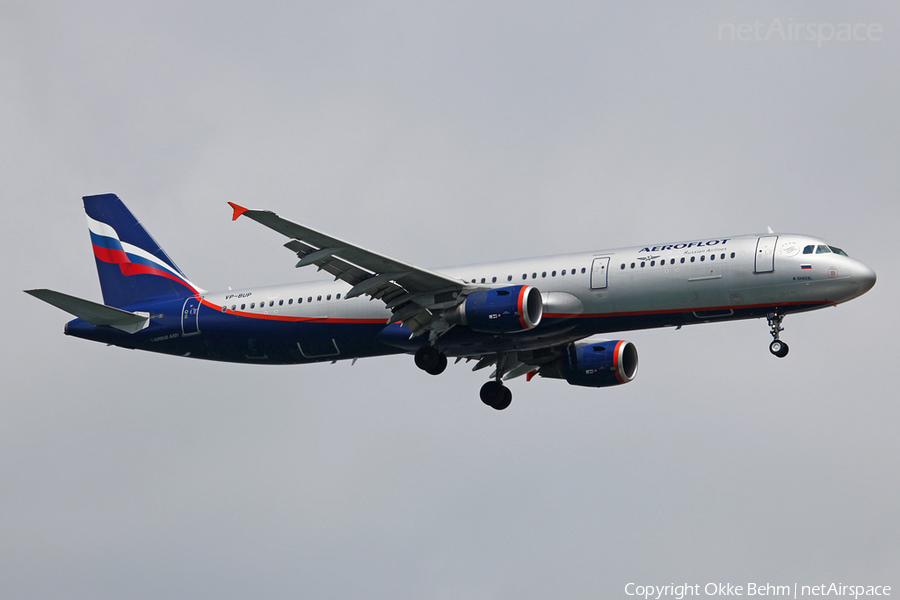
column 809, row 249
column 823, row 250
column 838, row 251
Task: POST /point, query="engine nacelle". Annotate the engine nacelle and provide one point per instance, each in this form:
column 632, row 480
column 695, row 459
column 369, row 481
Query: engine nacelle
column 600, row 364
column 502, row 310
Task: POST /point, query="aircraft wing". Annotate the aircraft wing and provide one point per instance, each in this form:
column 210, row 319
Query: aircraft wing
column 412, row 293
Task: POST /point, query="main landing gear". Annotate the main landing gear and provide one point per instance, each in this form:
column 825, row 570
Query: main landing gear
column 777, row 347
column 431, row 360
column 493, row 393
column 496, row 395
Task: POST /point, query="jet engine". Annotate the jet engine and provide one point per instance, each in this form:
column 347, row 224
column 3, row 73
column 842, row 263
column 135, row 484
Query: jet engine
column 501, row 310
column 599, row 364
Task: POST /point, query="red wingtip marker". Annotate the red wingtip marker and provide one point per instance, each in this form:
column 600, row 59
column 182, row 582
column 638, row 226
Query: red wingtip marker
column 238, row 210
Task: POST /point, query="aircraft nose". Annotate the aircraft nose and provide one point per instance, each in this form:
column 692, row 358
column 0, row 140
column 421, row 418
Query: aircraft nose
column 864, row 277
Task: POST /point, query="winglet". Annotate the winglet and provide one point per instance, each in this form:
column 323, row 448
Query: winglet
column 238, row 210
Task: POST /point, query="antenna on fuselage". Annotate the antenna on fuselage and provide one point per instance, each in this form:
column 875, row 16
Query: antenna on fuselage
column 770, row 229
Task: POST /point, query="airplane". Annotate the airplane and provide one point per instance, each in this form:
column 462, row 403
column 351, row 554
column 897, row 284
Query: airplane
column 538, row 316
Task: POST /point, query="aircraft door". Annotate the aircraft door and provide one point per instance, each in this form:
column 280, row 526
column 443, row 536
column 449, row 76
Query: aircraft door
column 190, row 317
column 599, row 273
column 765, row 254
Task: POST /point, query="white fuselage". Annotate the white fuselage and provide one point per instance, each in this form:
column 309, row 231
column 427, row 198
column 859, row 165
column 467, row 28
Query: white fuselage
column 702, row 277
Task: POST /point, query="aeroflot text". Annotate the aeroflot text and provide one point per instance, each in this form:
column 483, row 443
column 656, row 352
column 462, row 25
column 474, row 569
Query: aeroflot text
column 684, row 245
column 754, row 589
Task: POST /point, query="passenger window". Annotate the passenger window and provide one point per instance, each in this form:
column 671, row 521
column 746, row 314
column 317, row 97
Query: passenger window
column 702, row 257
column 652, row 263
column 233, row 306
column 309, row 299
column 544, row 274
column 509, row 278
column 290, row 300
column 271, row 303
column 338, row 297
column 632, row 265
column 642, row 264
column 712, row 257
column 328, row 297
column 823, row 250
column 808, row 249
column 553, row 274
column 682, row 260
column 524, row 275
column 732, row 255
column 563, row 272
column 582, row 270
column 493, row 280
column 281, row 303
column 723, row 256
column 243, row 306
column 318, row 298
column 483, row 280
column 623, row 266
column 253, row 305
column 693, row 258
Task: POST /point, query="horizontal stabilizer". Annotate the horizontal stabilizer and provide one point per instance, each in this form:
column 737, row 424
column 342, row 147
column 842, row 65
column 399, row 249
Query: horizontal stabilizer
column 94, row 313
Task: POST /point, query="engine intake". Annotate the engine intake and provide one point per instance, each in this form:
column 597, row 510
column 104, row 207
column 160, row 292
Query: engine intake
column 600, row 364
column 502, row 310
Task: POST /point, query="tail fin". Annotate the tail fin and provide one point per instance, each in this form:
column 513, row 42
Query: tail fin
column 131, row 265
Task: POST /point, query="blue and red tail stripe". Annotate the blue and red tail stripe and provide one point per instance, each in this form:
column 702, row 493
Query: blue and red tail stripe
column 132, row 267
column 131, row 259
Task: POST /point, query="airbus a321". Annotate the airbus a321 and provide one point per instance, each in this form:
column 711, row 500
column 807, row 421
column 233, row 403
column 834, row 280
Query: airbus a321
column 537, row 316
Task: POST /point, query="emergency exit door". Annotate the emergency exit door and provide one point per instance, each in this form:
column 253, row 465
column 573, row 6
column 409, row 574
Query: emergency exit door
column 599, row 273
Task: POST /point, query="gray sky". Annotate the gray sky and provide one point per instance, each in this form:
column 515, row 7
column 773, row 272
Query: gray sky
column 445, row 133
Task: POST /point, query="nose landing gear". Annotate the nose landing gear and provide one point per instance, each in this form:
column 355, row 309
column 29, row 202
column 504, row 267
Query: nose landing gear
column 777, row 347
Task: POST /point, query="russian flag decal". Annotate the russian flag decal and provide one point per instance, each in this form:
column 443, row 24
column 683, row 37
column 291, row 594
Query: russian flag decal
column 806, row 266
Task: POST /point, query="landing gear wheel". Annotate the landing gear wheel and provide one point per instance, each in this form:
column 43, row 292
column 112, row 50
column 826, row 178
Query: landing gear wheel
column 439, row 368
column 431, row 360
column 496, row 395
column 505, row 399
column 779, row 348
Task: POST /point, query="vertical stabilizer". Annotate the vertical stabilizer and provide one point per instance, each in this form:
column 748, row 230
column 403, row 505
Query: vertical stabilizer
column 131, row 265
